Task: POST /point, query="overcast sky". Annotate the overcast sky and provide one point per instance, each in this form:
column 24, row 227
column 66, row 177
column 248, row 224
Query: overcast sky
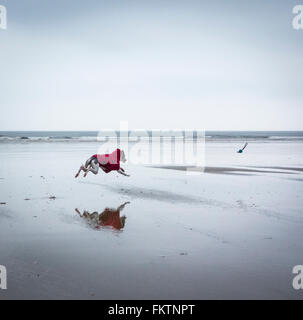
column 86, row 65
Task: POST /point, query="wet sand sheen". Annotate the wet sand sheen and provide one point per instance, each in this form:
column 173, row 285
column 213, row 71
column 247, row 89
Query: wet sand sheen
column 235, row 170
column 179, row 237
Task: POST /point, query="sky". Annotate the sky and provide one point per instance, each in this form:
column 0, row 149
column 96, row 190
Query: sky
column 214, row 65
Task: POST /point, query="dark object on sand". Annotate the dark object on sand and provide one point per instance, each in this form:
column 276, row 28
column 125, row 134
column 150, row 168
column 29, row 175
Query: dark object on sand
column 241, row 150
column 52, row 197
column 2, row 202
column 26, row 199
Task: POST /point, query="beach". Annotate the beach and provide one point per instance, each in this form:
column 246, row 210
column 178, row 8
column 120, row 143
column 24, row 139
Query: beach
column 233, row 232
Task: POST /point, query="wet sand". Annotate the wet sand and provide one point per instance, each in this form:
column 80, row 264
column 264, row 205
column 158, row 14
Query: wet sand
column 237, row 170
column 210, row 236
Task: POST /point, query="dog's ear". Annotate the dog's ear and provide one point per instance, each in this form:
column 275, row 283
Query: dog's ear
column 122, row 221
column 122, row 155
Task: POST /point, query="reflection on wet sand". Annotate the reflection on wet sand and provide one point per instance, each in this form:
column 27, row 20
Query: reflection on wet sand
column 107, row 218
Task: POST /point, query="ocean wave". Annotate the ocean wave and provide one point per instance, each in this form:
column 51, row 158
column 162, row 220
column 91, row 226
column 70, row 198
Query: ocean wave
column 51, row 139
column 285, row 138
column 252, row 138
column 209, row 137
column 236, row 137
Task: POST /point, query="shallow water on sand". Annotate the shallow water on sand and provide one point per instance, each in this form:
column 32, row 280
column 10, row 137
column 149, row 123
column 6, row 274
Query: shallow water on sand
column 183, row 237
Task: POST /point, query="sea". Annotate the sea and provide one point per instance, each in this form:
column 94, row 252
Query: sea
column 95, row 136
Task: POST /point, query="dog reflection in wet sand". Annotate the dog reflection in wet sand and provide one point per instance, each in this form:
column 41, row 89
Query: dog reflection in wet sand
column 108, row 218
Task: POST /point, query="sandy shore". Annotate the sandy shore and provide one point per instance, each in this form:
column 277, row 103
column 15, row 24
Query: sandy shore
column 238, row 170
column 232, row 232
